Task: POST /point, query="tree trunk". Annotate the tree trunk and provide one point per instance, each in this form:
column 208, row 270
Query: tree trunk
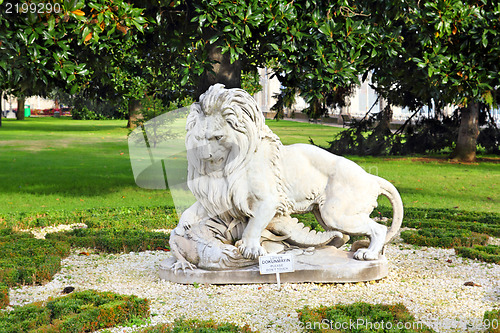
column 134, row 113
column 223, row 71
column 385, row 118
column 20, row 108
column 465, row 150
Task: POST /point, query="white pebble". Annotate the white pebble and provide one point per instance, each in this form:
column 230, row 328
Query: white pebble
column 421, row 278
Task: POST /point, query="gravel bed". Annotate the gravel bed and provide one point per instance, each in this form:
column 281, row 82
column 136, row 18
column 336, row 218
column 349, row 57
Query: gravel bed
column 428, row 281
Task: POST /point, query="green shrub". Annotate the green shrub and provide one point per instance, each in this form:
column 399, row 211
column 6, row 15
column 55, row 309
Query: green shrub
column 126, row 217
column 360, row 317
column 446, row 238
column 488, row 253
column 4, row 295
column 492, row 321
column 84, row 311
column 24, row 319
column 484, row 228
column 26, row 260
column 196, row 326
column 450, row 215
column 113, row 240
column 480, row 222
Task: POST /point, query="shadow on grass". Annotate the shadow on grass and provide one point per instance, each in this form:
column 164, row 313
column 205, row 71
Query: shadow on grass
column 60, row 125
column 71, row 172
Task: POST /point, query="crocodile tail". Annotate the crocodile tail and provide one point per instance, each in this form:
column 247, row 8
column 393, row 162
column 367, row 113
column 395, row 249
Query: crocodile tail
column 298, row 234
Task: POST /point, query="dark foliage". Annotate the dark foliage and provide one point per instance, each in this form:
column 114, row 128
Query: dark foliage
column 364, row 137
column 368, row 136
column 489, row 139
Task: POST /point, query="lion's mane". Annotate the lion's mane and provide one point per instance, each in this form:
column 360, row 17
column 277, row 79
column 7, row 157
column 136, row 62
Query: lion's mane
column 225, row 194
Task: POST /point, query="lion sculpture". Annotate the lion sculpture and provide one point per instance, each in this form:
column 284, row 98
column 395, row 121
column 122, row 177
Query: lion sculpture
column 238, row 169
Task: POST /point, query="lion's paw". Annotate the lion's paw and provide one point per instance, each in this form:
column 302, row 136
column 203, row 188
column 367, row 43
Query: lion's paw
column 182, row 265
column 365, row 254
column 250, row 251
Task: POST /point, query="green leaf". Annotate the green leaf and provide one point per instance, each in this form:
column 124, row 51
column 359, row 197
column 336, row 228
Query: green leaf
column 31, row 39
column 138, row 26
column 184, row 80
column 485, row 40
column 248, row 33
column 74, row 89
column 51, row 23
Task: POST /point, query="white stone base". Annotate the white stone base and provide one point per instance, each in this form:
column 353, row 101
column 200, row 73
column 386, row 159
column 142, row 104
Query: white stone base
column 325, row 265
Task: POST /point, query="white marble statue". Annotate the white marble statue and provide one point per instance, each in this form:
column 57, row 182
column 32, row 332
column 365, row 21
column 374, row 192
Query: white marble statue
column 242, row 175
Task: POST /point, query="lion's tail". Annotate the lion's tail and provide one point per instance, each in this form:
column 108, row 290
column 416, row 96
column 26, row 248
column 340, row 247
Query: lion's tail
column 388, row 190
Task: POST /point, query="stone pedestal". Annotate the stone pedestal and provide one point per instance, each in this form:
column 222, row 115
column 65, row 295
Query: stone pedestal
column 324, row 265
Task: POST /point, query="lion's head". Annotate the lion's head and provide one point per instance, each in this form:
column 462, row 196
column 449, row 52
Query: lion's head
column 223, row 129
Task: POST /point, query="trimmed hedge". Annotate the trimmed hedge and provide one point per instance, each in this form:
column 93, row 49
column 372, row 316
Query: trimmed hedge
column 488, row 253
column 446, row 238
column 4, row 295
column 196, row 326
column 492, row 321
column 79, row 312
column 360, row 317
column 26, row 260
column 480, row 222
column 113, row 240
column 455, row 215
column 127, row 217
column 484, row 228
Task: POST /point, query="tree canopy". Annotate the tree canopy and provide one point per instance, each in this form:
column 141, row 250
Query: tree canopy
column 418, row 53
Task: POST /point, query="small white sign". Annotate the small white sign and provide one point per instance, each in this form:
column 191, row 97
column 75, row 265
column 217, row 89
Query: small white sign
column 276, row 263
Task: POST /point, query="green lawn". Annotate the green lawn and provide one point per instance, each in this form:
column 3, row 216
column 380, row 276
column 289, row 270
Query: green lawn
column 49, row 165
column 53, row 164
column 292, row 132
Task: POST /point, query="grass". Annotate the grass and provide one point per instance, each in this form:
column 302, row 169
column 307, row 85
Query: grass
column 431, row 183
column 66, row 167
column 57, row 171
column 292, row 132
column 63, row 164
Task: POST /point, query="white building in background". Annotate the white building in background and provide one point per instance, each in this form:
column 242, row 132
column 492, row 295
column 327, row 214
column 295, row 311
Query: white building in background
column 9, row 104
column 363, row 98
